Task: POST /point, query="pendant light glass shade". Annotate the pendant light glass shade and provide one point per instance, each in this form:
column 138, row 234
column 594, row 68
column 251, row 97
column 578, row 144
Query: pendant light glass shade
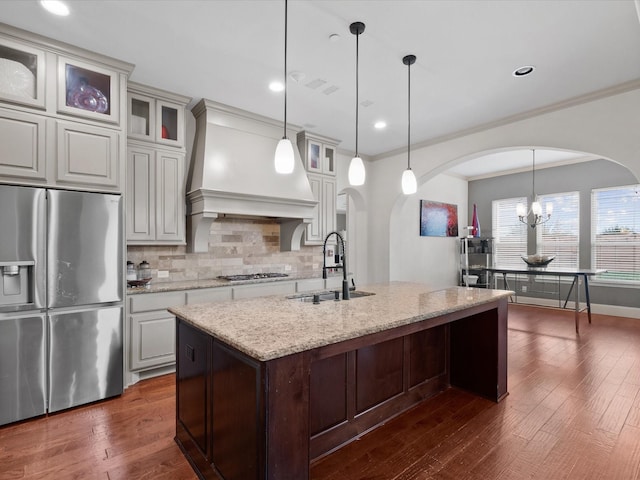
column 409, row 184
column 357, row 173
column 284, row 159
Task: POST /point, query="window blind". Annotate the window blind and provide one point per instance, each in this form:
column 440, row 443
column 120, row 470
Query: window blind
column 510, row 235
column 615, row 233
column 560, row 236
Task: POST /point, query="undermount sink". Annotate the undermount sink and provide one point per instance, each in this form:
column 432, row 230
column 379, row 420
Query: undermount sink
column 323, row 296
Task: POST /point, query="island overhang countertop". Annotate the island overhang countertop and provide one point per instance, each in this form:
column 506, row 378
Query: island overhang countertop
column 267, row 328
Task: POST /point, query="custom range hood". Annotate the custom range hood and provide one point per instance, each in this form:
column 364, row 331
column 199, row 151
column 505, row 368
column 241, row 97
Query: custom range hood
column 233, row 174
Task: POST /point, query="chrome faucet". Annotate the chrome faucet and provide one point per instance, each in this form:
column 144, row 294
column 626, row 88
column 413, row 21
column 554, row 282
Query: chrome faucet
column 345, row 283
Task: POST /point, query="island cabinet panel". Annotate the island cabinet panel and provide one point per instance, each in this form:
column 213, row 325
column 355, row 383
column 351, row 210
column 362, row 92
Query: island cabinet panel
column 365, row 386
column 379, row 373
column 194, row 393
column 328, row 393
column 236, row 423
column 427, row 355
column 479, row 353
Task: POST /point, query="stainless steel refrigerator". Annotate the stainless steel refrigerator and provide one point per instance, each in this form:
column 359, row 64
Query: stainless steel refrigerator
column 61, row 300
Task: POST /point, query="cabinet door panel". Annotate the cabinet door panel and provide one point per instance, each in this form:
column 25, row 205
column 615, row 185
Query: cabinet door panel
column 29, row 72
column 152, row 339
column 87, row 155
column 169, row 123
column 170, row 197
column 313, row 234
column 86, row 90
column 329, row 205
column 328, row 160
column 22, row 145
column 140, row 194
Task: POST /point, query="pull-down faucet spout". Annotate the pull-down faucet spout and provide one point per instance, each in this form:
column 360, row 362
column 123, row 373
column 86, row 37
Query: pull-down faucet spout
column 345, row 284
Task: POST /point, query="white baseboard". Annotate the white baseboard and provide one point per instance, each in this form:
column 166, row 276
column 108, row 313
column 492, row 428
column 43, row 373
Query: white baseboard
column 134, row 377
column 613, row 310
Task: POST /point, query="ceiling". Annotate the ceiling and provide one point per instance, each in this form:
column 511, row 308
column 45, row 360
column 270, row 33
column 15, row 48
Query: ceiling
column 230, row 50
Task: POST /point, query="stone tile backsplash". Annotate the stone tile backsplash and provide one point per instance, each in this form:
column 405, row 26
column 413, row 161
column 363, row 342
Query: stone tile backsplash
column 236, row 246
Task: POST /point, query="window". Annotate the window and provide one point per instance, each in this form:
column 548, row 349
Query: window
column 615, row 233
column 509, row 233
column 560, row 236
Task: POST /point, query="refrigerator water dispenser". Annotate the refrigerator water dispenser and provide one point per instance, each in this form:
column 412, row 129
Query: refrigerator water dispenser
column 16, row 282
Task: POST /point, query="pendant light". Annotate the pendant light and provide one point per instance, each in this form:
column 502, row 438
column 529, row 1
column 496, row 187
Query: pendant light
column 536, row 208
column 409, row 184
column 356, row 167
column 284, row 160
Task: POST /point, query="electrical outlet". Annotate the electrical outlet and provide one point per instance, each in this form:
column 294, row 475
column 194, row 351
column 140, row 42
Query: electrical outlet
column 287, row 268
column 163, row 273
column 523, row 288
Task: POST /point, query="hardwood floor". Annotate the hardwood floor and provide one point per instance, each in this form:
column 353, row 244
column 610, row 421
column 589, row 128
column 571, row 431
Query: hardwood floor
column 573, row 412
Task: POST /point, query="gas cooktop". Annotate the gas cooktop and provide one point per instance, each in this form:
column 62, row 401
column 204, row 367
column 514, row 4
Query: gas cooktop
column 251, row 276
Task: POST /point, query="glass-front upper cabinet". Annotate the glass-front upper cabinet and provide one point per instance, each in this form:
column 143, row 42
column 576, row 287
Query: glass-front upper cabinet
column 319, row 153
column 22, row 74
column 142, row 115
column 329, row 160
column 88, row 91
column 169, row 123
column 154, row 119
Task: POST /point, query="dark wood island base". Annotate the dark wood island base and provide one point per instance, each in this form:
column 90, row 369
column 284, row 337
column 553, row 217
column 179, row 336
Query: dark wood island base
column 241, row 418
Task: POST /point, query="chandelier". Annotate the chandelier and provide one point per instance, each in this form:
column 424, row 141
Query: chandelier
column 534, row 216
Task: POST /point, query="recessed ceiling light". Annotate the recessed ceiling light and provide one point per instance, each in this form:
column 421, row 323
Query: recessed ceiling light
column 380, row 124
column 276, row 86
column 56, row 7
column 523, row 71
column 334, row 37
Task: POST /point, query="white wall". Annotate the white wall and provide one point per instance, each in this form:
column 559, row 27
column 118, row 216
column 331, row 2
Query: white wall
column 605, row 127
column 430, row 260
column 357, row 219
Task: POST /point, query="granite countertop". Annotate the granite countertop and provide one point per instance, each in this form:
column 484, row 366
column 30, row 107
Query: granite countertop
column 271, row 327
column 156, row 287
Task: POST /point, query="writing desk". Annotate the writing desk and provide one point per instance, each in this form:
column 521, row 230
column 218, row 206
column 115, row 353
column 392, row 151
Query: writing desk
column 574, row 273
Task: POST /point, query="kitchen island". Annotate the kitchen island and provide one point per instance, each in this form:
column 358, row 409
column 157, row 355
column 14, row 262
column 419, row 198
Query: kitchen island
column 267, row 385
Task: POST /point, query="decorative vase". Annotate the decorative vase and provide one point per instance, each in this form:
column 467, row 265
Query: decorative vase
column 475, row 222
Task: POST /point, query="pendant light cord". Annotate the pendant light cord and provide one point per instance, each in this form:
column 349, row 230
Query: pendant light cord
column 357, row 83
column 533, row 176
column 285, row 68
column 409, row 120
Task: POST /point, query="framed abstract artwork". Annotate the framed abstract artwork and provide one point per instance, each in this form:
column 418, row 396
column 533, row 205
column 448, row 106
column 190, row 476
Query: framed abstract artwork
column 438, row 219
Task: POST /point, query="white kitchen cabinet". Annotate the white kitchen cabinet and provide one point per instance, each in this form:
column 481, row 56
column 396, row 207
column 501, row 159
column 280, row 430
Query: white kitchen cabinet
column 324, row 213
column 310, row 285
column 155, row 167
column 152, row 339
column 152, row 329
column 319, row 157
column 87, row 155
column 156, row 115
column 61, row 114
column 207, row 295
column 22, row 146
column 263, row 289
column 155, row 196
column 88, row 90
column 26, row 65
column 318, row 152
